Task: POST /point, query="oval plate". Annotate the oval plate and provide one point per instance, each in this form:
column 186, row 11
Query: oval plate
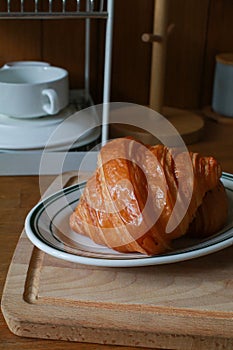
column 47, row 226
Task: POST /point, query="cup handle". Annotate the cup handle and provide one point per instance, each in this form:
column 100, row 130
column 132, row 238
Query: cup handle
column 52, row 107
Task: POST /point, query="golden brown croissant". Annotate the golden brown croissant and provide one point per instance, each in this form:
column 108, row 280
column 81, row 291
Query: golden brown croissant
column 141, row 198
column 211, row 214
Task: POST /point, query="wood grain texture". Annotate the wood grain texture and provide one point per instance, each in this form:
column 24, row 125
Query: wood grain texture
column 131, row 56
column 202, row 29
column 185, row 53
column 166, row 305
column 208, row 112
column 20, row 40
column 158, row 57
column 104, row 322
column 171, row 306
column 23, row 193
column 190, row 126
column 219, row 40
column 63, row 45
column 218, row 142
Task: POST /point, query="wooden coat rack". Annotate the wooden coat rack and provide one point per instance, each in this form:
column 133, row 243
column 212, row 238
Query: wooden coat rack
column 187, row 123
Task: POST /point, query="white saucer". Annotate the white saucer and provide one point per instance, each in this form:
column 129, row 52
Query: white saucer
column 84, row 141
column 68, row 129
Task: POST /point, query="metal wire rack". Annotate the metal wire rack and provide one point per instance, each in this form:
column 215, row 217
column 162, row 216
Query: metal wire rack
column 58, row 9
column 39, row 9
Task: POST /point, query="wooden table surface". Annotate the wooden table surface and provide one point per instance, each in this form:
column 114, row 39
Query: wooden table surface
column 18, row 194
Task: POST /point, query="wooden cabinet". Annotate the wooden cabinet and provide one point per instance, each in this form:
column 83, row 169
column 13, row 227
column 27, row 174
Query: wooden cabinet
column 203, row 28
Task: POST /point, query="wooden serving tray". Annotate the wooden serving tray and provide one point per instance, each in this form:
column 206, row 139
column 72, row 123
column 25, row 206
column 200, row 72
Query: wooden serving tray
column 187, row 305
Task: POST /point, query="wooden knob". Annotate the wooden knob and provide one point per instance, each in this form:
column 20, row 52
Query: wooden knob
column 150, row 38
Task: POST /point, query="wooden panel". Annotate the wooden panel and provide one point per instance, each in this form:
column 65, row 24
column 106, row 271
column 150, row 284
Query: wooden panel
column 185, row 52
column 63, row 43
column 203, row 28
column 169, row 306
column 219, row 39
column 63, row 46
column 185, row 55
column 20, row 40
column 131, row 57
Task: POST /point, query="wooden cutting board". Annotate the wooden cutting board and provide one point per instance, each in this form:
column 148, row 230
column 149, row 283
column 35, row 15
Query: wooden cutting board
column 187, row 305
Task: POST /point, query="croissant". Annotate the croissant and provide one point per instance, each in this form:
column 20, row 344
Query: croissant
column 211, row 215
column 141, row 198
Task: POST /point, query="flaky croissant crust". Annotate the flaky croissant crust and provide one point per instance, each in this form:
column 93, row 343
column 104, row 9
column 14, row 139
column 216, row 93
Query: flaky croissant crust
column 137, row 192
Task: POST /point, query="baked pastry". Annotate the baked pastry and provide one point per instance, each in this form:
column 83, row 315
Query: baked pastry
column 141, row 198
column 211, row 214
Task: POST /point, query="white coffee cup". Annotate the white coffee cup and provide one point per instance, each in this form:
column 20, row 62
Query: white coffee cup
column 25, row 63
column 222, row 100
column 33, row 91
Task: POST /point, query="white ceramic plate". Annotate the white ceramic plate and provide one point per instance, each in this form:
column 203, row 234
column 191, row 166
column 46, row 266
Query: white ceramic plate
column 47, row 226
column 86, row 139
column 60, row 131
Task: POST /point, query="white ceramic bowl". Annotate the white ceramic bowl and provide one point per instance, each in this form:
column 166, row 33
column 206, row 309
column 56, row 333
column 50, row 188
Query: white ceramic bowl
column 33, row 91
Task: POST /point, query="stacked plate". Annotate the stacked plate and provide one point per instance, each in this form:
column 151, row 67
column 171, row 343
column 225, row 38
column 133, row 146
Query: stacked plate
column 71, row 128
